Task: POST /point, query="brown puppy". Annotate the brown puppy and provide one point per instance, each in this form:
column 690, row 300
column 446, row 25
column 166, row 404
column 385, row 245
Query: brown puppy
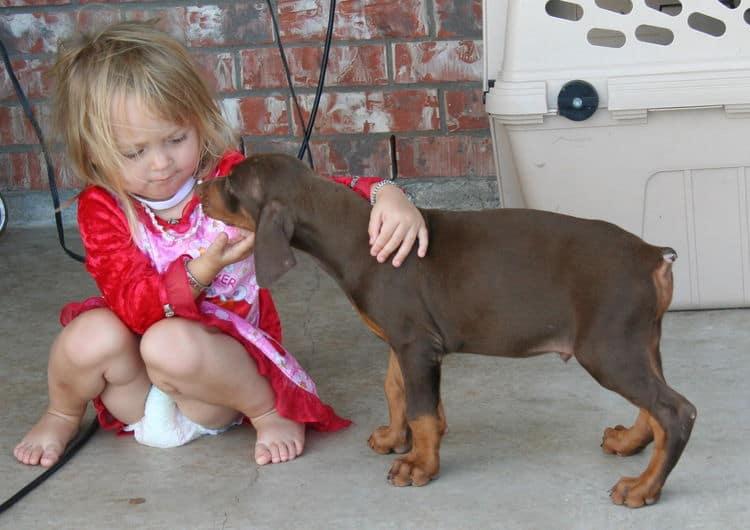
column 504, row 282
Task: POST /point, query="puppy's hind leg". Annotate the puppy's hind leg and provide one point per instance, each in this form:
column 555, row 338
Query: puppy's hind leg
column 623, row 441
column 671, row 420
column 629, row 441
column 669, row 416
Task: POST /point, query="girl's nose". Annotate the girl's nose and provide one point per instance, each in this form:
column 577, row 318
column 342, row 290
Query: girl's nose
column 161, row 159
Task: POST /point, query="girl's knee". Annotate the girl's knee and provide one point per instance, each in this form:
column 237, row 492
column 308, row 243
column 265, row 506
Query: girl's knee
column 94, row 337
column 170, row 347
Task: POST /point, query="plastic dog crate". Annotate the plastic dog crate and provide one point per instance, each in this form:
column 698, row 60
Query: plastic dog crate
column 636, row 112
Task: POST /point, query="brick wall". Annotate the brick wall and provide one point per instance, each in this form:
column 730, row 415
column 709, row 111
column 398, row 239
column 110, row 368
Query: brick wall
column 404, row 79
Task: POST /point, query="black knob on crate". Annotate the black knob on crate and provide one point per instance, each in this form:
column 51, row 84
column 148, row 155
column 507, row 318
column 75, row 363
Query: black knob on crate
column 577, row 100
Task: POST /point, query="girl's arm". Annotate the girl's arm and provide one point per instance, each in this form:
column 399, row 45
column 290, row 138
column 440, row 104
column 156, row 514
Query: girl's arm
column 129, row 283
column 395, row 223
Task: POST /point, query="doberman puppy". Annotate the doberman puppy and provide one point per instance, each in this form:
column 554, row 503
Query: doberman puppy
column 506, row 282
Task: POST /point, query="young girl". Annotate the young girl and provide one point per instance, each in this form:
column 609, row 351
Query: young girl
column 182, row 342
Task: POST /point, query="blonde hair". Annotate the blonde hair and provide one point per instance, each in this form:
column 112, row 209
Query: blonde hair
column 138, row 59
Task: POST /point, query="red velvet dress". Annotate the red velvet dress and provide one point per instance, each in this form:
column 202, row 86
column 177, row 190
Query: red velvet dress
column 136, row 292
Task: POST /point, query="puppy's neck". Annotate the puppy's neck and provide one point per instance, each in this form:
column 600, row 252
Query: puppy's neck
column 333, row 228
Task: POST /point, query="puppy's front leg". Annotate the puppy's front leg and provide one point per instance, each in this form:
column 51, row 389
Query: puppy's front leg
column 420, row 368
column 395, row 437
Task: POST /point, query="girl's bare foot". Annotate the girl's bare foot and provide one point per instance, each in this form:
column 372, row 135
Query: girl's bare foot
column 278, row 439
column 47, row 440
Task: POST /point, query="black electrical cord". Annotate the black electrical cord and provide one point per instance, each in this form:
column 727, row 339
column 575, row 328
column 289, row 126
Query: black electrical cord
column 304, row 146
column 72, row 449
column 321, row 81
column 47, row 158
column 289, row 83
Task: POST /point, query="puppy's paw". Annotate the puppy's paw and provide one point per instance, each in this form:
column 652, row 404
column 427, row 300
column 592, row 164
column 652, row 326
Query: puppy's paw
column 406, row 471
column 634, row 492
column 385, row 439
column 622, row 441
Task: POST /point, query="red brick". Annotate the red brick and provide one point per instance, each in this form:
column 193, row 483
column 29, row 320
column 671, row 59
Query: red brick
column 445, row 156
column 340, row 157
column 64, row 178
column 31, row 75
column 458, row 19
column 16, row 128
column 263, row 116
column 23, row 171
column 352, row 66
column 115, row 2
column 241, row 23
column 262, row 144
column 218, row 69
column 36, row 32
column 6, row 178
column 374, row 112
column 6, row 136
column 354, row 20
column 28, row 171
column 347, row 156
column 248, row 23
column 404, row 19
column 21, row 3
column 205, row 25
column 90, row 20
column 465, row 110
column 303, row 21
column 347, row 66
column 262, row 68
column 441, row 61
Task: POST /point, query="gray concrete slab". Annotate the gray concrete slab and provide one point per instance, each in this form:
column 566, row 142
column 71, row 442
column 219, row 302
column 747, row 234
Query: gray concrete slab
column 522, row 449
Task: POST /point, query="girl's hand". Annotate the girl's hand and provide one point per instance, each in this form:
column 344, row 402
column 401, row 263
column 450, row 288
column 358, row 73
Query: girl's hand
column 395, row 223
column 220, row 253
column 224, row 251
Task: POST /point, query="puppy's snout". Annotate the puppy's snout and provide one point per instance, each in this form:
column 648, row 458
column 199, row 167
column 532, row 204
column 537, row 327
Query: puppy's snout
column 202, row 190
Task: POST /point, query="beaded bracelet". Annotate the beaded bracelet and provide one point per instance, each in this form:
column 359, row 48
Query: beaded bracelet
column 192, row 280
column 376, row 188
column 379, row 186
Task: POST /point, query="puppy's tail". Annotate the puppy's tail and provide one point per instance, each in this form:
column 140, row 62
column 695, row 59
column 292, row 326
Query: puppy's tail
column 662, row 277
column 669, row 254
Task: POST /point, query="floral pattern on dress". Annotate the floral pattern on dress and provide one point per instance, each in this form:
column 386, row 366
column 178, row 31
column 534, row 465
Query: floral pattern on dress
column 235, row 284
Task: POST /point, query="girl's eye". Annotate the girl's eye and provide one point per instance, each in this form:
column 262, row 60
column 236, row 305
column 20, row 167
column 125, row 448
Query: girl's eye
column 134, row 155
column 179, row 139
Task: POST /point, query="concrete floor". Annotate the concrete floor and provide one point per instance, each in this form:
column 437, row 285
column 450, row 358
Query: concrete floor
column 522, row 450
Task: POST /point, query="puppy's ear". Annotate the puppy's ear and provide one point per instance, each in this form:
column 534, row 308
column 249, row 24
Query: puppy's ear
column 273, row 253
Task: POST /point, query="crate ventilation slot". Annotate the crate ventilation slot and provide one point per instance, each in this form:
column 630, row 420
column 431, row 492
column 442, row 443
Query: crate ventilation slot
column 656, row 33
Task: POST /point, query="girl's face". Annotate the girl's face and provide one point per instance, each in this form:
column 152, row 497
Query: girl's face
column 159, row 155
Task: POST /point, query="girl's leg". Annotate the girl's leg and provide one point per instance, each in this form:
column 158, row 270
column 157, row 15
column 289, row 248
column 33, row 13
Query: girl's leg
column 93, row 355
column 211, row 377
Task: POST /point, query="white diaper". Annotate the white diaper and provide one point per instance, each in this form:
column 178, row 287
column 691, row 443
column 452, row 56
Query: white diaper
column 164, row 425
